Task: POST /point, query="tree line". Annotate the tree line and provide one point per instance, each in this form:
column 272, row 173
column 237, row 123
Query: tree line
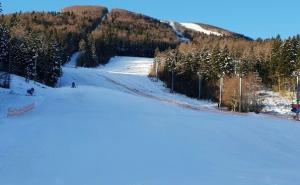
column 212, row 58
column 128, row 34
column 35, row 45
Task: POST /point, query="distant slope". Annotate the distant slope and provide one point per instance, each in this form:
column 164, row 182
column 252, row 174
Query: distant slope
column 224, row 31
column 198, row 28
column 192, row 30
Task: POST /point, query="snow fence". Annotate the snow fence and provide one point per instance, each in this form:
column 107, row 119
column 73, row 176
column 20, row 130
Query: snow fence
column 13, row 112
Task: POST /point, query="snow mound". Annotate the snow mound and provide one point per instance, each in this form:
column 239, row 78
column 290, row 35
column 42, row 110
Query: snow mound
column 198, row 28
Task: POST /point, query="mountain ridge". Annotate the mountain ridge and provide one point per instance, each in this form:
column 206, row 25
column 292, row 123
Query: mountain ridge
column 212, row 28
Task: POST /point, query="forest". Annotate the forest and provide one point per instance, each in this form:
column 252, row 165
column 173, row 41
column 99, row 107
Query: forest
column 36, row 44
column 218, row 63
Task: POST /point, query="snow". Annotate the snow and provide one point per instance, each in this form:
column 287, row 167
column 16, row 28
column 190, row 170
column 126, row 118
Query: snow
column 119, row 127
column 198, row 28
column 130, row 74
column 179, row 34
column 73, row 60
column 276, row 104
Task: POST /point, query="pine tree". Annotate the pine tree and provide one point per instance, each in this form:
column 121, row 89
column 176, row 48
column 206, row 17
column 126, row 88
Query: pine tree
column 227, row 62
column 205, row 64
column 216, row 61
column 4, row 48
column 172, row 59
column 31, row 54
column 29, row 62
column 298, row 54
column 4, row 54
column 58, row 59
column 54, row 60
column 88, row 56
column 275, row 60
column 288, row 57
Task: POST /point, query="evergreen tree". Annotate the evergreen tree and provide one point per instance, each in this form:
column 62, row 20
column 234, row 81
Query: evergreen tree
column 88, row 57
column 288, row 57
column 275, row 60
column 216, row 61
column 31, row 53
column 298, row 54
column 205, row 64
column 227, row 62
column 16, row 57
column 4, row 54
column 4, row 48
column 54, row 60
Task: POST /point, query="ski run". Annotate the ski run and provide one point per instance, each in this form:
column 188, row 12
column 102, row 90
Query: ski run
column 118, row 127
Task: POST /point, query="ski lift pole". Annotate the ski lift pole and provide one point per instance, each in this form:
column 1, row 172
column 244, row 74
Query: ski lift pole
column 172, row 88
column 240, row 104
column 221, row 90
column 156, row 63
column 297, row 74
column 297, row 113
column 199, row 84
column 156, row 70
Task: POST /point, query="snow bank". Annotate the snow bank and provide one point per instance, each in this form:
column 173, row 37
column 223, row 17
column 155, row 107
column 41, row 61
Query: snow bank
column 198, row 28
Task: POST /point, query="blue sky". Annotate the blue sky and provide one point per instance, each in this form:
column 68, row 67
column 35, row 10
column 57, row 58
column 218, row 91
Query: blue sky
column 254, row 18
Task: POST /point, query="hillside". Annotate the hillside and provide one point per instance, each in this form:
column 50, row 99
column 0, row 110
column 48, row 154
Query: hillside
column 117, row 123
column 131, row 34
column 192, row 31
column 68, row 26
column 102, row 34
column 94, row 10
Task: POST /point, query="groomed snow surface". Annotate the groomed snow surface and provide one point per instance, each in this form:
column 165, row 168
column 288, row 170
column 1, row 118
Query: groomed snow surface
column 120, row 128
column 179, row 34
column 198, row 28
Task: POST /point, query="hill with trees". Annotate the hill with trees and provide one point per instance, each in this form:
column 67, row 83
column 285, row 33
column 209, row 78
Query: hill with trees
column 131, row 34
column 269, row 63
column 36, row 44
column 40, row 42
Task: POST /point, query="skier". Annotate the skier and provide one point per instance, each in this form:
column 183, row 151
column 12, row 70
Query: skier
column 30, row 91
column 73, row 85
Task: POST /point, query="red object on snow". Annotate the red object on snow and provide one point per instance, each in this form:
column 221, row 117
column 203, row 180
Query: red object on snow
column 295, row 106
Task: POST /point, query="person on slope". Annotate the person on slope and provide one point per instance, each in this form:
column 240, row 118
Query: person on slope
column 73, row 85
column 30, row 91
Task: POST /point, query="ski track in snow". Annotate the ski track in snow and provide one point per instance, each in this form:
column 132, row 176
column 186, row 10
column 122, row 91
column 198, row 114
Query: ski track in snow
column 110, row 131
column 131, row 75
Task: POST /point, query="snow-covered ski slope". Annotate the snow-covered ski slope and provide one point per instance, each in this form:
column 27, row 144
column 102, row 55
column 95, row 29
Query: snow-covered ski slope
column 130, row 74
column 179, row 34
column 198, row 28
column 120, row 128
